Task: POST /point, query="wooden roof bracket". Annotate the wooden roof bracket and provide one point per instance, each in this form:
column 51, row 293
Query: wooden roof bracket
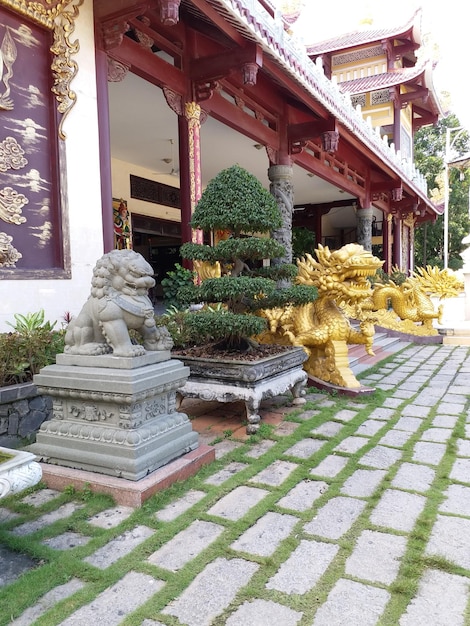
column 205, row 72
column 299, row 134
column 392, row 188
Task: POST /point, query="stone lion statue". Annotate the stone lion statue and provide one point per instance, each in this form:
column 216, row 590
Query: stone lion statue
column 118, row 302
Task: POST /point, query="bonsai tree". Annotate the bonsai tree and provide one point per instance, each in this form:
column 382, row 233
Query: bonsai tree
column 236, row 203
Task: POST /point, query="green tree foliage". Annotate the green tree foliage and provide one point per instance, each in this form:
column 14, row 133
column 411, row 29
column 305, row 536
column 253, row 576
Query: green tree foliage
column 235, row 201
column 430, row 146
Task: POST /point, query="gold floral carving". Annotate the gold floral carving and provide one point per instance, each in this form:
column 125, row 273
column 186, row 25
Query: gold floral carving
column 59, row 17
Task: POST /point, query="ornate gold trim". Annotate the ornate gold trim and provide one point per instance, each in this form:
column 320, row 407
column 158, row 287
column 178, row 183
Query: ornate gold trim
column 58, row 16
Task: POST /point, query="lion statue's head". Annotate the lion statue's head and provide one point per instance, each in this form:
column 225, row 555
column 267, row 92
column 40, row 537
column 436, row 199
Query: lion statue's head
column 122, row 272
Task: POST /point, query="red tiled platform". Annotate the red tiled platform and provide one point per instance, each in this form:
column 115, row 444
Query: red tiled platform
column 129, row 492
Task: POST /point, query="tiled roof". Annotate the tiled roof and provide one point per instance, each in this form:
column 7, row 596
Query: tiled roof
column 365, row 36
column 382, row 81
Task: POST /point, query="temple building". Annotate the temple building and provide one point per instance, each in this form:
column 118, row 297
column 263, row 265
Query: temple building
column 117, row 113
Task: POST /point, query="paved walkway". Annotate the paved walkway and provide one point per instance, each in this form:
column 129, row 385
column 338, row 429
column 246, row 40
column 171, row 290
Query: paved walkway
column 353, row 512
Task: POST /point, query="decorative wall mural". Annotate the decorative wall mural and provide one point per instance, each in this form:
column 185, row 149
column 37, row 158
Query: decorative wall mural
column 11, row 203
column 8, row 55
column 36, row 70
column 8, row 254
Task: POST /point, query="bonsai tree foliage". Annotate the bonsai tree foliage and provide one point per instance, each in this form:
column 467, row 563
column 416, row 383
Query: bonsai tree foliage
column 236, row 203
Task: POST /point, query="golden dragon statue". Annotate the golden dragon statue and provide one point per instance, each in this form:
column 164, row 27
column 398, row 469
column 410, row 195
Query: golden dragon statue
column 408, row 307
column 321, row 327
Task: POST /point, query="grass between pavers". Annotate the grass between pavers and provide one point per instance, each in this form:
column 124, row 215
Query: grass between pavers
column 56, row 567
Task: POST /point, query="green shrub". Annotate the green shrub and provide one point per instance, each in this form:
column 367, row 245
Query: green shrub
column 32, row 345
column 173, row 282
column 235, row 201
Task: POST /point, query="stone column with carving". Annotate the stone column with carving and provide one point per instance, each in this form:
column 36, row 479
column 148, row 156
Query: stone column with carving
column 364, row 228
column 192, row 113
column 282, row 189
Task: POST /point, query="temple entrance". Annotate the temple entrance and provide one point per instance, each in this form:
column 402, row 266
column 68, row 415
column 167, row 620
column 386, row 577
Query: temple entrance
column 158, row 241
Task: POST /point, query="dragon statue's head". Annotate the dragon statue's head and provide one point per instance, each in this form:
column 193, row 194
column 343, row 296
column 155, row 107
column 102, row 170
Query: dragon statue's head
column 342, row 274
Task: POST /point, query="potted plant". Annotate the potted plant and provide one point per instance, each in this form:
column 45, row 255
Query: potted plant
column 240, row 213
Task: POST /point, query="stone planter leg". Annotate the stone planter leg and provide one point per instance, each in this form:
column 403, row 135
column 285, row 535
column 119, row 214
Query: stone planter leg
column 252, row 415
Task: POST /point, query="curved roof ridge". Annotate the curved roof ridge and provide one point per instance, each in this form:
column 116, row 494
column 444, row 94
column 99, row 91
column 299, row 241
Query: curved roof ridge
column 363, row 36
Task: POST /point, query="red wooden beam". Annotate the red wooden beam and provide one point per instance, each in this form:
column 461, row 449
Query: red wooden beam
column 149, row 66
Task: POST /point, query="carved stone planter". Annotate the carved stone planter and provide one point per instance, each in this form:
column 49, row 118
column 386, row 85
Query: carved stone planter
column 18, row 472
column 251, row 381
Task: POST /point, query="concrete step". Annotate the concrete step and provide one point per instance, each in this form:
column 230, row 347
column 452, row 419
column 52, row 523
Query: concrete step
column 383, row 347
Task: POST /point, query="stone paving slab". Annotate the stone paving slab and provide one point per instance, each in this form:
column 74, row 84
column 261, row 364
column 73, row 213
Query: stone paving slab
column 431, row 453
column 258, row 449
column 133, row 590
column 110, row 518
column 330, row 467
column 351, row 444
column 13, row 565
column 199, row 604
column 328, row 429
column 436, row 435
column 66, row 541
column 303, row 568
column 38, row 498
column 335, row 518
column 345, row 415
column 305, row 448
column 264, row 537
column 445, row 421
column 237, row 503
column 264, row 613
column 398, row 510
column 186, row 545
column 66, row 510
column 457, row 500
column 410, row 424
column 461, row 471
column 450, row 538
column 369, row 428
column 414, row 477
column 119, row 547
column 47, row 601
column 463, row 447
column 303, row 495
column 376, row 557
column 415, row 410
column 362, row 483
column 180, row 506
column 227, row 472
column 363, row 605
column 382, row 414
column 432, row 607
column 275, row 474
column 380, row 457
column 395, row 438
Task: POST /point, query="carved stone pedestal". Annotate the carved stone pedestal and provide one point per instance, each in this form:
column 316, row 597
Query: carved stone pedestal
column 250, row 381
column 114, row 415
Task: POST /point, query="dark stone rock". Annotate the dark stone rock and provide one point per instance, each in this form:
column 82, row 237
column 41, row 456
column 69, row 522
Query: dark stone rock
column 30, row 424
column 13, row 424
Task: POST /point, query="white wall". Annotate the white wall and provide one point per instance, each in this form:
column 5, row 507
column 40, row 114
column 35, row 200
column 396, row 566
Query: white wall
column 84, row 198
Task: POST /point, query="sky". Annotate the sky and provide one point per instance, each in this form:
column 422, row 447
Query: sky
column 446, row 23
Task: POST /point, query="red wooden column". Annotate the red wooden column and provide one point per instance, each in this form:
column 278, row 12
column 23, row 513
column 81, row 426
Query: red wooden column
column 192, row 113
column 387, row 241
column 397, row 259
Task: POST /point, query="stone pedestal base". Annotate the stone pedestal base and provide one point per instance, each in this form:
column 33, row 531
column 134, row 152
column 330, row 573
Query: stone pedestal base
column 114, row 416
